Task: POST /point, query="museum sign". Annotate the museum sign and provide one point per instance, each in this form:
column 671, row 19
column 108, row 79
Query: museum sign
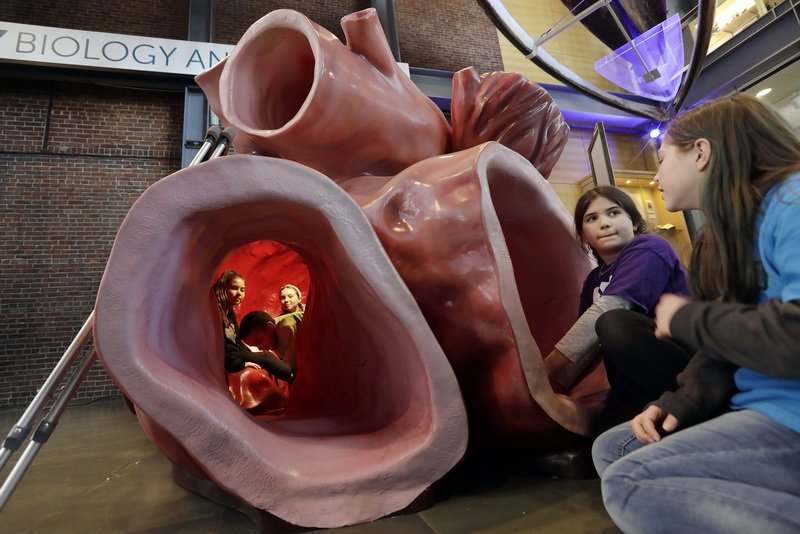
column 62, row 47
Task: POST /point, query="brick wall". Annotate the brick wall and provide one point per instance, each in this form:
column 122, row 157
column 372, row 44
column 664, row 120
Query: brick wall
column 233, row 17
column 75, row 156
column 136, row 17
column 447, row 36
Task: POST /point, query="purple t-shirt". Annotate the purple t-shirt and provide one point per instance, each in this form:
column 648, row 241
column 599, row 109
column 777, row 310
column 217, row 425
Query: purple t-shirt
column 645, row 269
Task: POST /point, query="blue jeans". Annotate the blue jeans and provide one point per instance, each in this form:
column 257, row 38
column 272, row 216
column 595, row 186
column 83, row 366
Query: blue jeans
column 739, row 472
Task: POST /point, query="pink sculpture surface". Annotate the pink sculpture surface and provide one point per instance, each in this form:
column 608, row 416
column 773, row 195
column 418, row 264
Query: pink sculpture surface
column 437, row 279
column 508, row 109
column 485, row 246
column 289, row 86
column 375, row 415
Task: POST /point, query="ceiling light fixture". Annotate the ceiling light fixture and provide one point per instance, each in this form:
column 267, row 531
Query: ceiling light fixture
column 764, row 91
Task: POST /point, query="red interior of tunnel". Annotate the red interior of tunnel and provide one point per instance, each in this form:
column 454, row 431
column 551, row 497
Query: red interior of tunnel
column 267, row 266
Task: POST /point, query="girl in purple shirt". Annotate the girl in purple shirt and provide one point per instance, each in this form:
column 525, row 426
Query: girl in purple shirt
column 634, row 270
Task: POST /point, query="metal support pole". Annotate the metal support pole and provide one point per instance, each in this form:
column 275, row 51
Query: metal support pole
column 555, row 32
column 45, row 429
column 20, row 431
column 649, row 75
column 224, row 144
column 212, row 136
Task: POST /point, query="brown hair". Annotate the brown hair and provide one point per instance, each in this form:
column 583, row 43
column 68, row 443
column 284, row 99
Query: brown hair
column 752, row 149
column 220, row 287
column 620, row 198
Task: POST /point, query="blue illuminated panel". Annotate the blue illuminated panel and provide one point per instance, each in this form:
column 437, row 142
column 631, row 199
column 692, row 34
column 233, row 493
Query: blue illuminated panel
column 661, row 50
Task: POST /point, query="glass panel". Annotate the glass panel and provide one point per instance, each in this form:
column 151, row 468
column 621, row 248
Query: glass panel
column 651, row 65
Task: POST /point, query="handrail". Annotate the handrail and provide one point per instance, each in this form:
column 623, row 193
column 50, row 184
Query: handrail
column 23, row 427
column 45, row 428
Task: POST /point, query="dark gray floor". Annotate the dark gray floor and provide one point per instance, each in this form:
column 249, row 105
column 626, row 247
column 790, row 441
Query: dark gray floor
column 100, row 474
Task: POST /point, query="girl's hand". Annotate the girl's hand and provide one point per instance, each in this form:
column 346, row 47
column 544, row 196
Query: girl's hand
column 646, row 424
column 554, row 365
column 667, row 305
column 252, row 365
column 577, row 417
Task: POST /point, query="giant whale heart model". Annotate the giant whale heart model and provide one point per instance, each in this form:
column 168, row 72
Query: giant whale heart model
column 441, row 264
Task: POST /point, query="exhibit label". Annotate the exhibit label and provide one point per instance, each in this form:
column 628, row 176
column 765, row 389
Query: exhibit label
column 62, row 47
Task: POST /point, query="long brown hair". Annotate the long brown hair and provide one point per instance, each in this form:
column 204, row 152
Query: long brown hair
column 752, row 149
column 220, row 291
column 620, row 198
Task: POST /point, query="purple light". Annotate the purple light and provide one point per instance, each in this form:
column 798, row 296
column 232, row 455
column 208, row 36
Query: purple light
column 655, row 133
column 661, row 50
